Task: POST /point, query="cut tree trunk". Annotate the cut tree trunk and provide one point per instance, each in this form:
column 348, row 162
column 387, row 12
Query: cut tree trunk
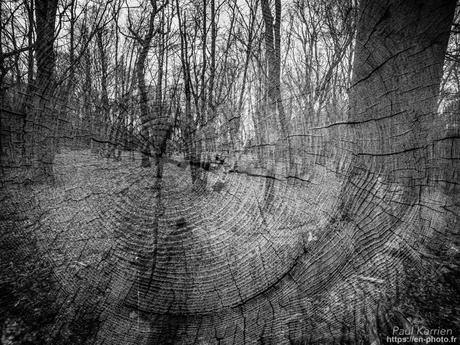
column 341, row 279
column 257, row 262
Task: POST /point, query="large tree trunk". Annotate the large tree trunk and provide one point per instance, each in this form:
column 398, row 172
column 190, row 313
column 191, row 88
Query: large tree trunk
column 392, row 124
column 45, row 13
column 398, row 65
column 393, row 198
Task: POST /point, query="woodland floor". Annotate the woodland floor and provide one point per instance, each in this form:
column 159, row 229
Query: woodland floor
column 71, row 249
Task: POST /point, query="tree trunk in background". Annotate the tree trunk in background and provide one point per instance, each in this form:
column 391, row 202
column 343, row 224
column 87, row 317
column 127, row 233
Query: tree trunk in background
column 275, row 113
column 189, row 127
column 103, row 121
column 45, row 14
column 146, row 117
column 2, row 100
column 145, row 111
column 88, row 121
column 236, row 120
column 162, row 121
column 68, row 90
column 272, row 80
column 27, row 139
column 211, row 143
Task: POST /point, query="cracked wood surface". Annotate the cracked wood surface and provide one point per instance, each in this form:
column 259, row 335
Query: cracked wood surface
column 258, row 255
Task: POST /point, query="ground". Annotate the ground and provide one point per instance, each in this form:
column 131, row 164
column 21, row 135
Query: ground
column 230, row 255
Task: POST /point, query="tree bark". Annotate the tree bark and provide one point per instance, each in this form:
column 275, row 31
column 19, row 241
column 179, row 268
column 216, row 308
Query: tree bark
column 273, row 99
column 102, row 123
column 45, row 14
column 146, row 117
column 90, row 123
column 400, row 49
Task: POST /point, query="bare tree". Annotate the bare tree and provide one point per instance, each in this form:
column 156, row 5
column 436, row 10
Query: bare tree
column 45, row 14
column 145, row 41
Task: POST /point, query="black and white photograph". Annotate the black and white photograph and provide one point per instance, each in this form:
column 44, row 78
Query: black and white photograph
column 229, row 172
